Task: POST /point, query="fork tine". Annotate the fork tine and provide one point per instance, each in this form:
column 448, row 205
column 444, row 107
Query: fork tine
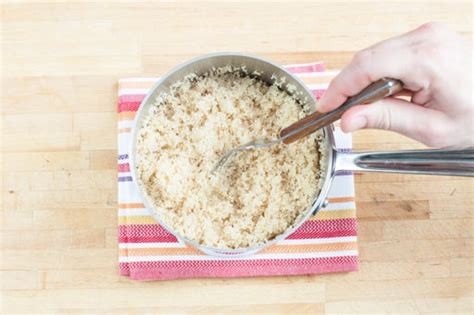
column 248, row 146
column 222, row 160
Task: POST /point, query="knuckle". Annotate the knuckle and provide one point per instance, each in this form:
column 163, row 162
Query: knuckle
column 431, row 49
column 361, row 57
column 382, row 117
column 433, row 28
column 426, row 48
column 362, row 61
column 429, row 56
column 386, row 118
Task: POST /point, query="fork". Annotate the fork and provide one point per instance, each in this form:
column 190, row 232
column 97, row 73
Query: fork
column 375, row 91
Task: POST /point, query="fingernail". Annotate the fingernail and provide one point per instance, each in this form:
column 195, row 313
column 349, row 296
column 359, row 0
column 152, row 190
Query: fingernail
column 358, row 122
column 322, row 99
column 322, row 95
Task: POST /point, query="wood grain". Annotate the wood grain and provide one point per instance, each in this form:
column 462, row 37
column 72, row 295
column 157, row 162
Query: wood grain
column 60, row 66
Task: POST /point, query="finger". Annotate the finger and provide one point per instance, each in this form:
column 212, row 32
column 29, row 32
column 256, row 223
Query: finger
column 391, row 58
column 421, row 97
column 369, row 66
column 423, row 124
column 347, row 83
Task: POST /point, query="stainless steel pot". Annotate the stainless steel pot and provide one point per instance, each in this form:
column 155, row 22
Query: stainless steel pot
column 434, row 162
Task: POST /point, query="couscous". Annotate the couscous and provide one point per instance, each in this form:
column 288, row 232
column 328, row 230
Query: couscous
column 258, row 194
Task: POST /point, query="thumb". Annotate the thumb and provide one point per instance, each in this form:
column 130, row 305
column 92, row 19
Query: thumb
column 420, row 123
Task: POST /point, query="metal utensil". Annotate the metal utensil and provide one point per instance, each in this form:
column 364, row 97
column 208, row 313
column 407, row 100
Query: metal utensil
column 315, row 121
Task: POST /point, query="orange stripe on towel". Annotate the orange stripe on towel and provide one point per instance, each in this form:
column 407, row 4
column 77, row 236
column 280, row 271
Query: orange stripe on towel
column 126, row 116
column 341, row 199
column 307, row 248
column 136, row 219
column 333, row 215
column 130, row 205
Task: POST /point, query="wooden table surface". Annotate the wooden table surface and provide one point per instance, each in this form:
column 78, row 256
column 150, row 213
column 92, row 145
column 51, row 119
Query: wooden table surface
column 60, row 67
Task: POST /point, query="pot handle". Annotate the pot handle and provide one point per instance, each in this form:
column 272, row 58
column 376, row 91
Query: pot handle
column 430, row 162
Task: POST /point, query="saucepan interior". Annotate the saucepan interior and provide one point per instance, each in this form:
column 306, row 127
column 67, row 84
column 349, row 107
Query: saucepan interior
column 268, row 72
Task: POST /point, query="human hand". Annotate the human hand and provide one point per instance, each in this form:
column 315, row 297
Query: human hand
column 435, row 65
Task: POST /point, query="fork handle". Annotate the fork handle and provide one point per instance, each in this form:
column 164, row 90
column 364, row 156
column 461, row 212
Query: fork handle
column 311, row 123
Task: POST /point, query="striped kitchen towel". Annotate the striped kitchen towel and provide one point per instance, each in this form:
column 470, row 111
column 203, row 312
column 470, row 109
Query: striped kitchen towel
column 325, row 243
